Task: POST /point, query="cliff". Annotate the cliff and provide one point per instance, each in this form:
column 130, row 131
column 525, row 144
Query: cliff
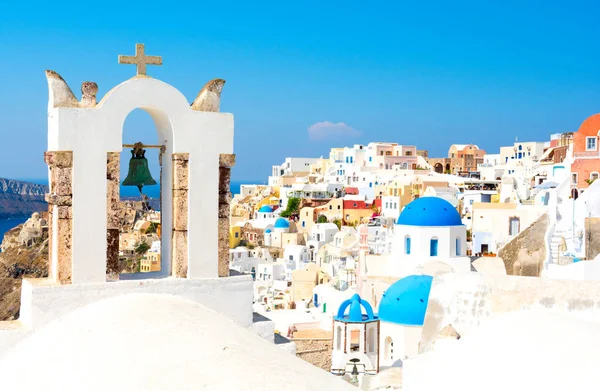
column 20, row 199
column 21, row 258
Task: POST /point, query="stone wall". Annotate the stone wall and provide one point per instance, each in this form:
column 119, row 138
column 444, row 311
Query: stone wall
column 524, row 255
column 113, row 220
column 315, row 351
column 592, row 237
column 226, row 162
column 180, row 213
column 60, row 201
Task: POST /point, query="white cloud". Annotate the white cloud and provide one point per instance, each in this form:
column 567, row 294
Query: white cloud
column 328, row 130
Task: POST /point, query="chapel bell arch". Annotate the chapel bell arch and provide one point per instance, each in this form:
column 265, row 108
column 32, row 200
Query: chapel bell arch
column 85, row 138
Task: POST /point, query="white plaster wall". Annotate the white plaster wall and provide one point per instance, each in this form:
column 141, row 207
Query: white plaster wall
column 421, row 239
column 406, row 342
column 43, row 301
column 93, row 132
column 466, row 300
column 387, row 206
column 582, row 271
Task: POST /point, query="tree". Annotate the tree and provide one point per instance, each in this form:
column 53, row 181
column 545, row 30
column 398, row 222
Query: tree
column 141, row 247
column 337, row 222
column 321, row 219
column 293, row 207
column 152, row 228
column 469, row 235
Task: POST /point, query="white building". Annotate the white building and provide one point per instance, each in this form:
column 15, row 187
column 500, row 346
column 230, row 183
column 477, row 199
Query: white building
column 429, row 229
column 320, row 234
column 390, row 206
column 401, row 314
column 295, row 256
column 291, row 166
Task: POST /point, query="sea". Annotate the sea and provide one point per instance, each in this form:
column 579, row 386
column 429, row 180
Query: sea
column 127, row 191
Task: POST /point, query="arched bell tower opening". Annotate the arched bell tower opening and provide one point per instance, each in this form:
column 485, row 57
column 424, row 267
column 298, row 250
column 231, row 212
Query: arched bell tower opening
column 85, row 142
column 135, row 239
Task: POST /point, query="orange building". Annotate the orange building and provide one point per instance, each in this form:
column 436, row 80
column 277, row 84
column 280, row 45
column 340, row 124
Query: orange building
column 586, row 159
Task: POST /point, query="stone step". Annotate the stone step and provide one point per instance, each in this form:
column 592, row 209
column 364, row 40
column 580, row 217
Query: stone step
column 263, row 327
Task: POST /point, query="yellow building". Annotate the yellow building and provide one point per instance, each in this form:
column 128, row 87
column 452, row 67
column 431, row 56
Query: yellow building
column 358, row 216
column 235, row 235
column 150, row 262
column 333, row 210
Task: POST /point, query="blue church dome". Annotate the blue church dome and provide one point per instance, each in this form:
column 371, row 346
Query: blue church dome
column 429, row 212
column 265, row 209
column 282, row 223
column 354, row 305
column 405, row 302
column 268, row 231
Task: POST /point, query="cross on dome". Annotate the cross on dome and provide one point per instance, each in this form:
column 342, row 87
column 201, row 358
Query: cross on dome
column 140, row 60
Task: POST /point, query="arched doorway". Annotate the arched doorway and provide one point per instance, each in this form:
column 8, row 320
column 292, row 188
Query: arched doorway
column 574, row 193
column 439, row 168
column 448, row 167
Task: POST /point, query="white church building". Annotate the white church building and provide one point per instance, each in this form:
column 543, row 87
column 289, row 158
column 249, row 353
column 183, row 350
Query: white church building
column 429, row 230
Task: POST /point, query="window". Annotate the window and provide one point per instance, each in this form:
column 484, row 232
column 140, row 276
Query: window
column 330, row 207
column 355, row 340
column 370, row 159
column 407, row 245
column 291, row 257
column 389, row 349
column 237, row 234
column 303, row 223
column 458, row 247
column 590, row 143
column 574, row 178
column 593, row 176
column 514, row 224
column 371, row 340
column 433, row 247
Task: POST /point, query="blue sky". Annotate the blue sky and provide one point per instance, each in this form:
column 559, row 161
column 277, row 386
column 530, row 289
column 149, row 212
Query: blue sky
column 420, row 73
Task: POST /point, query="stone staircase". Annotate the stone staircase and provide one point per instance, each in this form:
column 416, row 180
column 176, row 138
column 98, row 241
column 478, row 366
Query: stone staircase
column 555, row 243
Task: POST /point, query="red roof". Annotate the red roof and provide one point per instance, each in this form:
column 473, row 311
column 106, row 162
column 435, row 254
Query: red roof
column 351, row 190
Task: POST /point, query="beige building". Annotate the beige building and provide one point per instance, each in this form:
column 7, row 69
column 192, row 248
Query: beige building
column 495, row 224
column 150, row 262
column 305, row 280
column 282, row 239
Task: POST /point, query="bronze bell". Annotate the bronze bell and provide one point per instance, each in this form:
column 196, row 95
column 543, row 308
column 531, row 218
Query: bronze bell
column 139, row 173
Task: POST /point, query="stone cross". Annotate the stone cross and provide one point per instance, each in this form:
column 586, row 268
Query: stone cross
column 140, row 59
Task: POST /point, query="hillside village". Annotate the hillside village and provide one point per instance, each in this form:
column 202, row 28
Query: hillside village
column 383, row 267
column 324, row 229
